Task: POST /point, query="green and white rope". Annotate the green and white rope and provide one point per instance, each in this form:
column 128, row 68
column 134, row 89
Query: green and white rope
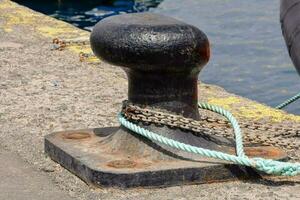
column 235, row 125
column 288, row 101
column 265, row 165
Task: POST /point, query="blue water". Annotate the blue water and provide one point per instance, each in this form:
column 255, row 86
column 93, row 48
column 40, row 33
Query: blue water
column 85, row 13
column 249, row 56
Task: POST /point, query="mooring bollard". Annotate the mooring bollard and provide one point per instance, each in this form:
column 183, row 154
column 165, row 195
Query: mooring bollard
column 162, row 58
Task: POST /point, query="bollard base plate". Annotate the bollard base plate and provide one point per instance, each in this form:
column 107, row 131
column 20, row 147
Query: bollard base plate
column 84, row 153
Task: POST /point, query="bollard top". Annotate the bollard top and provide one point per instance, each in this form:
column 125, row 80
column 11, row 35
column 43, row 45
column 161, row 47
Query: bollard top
column 150, row 42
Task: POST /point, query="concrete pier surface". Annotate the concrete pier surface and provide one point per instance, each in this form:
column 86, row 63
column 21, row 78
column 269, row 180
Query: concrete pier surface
column 44, row 90
column 20, row 181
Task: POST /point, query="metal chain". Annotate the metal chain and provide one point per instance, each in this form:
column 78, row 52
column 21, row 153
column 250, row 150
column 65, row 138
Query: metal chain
column 219, row 127
column 59, row 44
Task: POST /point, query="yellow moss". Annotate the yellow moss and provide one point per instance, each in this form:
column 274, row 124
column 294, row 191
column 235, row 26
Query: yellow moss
column 226, row 103
column 61, row 30
column 258, row 111
column 253, row 111
column 78, row 49
column 5, row 4
column 53, row 32
column 14, row 15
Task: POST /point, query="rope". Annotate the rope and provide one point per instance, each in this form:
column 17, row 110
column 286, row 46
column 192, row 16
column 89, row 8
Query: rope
column 235, row 125
column 265, row 165
column 288, row 101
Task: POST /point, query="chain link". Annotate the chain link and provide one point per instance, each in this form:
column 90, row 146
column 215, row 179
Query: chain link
column 59, row 44
column 276, row 135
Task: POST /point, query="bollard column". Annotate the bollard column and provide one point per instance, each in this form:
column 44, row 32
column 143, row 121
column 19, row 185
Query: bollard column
column 162, row 58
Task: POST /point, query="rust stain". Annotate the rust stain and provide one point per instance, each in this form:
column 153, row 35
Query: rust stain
column 76, row 135
column 129, row 164
column 267, row 152
column 122, row 164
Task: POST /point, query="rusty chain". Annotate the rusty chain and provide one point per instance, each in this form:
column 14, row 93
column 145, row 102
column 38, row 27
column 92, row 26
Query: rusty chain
column 59, row 44
column 274, row 133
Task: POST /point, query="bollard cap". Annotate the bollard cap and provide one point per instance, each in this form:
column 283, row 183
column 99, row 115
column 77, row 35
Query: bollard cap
column 150, row 42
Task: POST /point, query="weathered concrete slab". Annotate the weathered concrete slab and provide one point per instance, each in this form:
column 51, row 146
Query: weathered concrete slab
column 19, row 181
column 42, row 91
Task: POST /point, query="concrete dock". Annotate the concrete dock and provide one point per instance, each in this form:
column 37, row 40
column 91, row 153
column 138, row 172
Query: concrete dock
column 44, row 90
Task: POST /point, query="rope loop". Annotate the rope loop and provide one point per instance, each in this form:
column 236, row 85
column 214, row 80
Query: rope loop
column 265, row 165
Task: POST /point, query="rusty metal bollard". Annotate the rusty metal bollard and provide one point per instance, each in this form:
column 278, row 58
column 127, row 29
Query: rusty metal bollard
column 162, row 58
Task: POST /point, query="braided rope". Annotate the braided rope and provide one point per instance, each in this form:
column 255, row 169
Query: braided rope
column 235, row 125
column 265, row 165
column 288, row 101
